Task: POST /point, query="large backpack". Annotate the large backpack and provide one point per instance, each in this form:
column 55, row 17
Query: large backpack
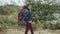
column 21, row 18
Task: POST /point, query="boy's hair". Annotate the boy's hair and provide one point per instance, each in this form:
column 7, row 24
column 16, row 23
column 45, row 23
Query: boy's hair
column 26, row 6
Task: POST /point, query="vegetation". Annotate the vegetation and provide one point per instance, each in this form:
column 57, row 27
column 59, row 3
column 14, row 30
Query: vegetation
column 42, row 15
column 43, row 12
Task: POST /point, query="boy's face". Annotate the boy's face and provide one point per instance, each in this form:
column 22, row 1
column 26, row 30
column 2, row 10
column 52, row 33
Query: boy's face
column 29, row 6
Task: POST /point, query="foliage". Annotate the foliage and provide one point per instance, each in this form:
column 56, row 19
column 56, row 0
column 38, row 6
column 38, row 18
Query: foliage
column 44, row 12
column 41, row 13
column 8, row 16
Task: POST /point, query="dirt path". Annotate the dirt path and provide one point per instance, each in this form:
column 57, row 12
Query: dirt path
column 14, row 31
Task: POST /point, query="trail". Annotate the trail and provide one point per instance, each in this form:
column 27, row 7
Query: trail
column 14, row 31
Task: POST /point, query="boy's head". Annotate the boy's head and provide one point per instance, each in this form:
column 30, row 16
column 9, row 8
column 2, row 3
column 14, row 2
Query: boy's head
column 28, row 6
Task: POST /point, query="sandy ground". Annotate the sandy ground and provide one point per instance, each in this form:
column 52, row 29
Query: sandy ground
column 14, row 31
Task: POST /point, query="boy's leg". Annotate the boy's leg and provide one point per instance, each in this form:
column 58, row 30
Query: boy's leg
column 31, row 29
column 27, row 28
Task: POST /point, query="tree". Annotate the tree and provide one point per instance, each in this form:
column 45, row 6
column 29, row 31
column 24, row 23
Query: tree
column 43, row 11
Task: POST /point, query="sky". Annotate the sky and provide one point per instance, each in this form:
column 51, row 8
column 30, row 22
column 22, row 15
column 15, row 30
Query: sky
column 17, row 2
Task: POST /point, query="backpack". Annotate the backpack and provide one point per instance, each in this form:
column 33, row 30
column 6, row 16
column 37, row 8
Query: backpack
column 21, row 18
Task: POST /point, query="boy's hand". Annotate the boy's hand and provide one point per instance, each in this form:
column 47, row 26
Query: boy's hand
column 30, row 21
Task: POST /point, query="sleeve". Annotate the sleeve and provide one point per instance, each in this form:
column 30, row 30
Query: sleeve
column 27, row 15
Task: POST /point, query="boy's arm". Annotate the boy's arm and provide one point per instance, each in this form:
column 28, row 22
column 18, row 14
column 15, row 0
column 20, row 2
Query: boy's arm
column 28, row 16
